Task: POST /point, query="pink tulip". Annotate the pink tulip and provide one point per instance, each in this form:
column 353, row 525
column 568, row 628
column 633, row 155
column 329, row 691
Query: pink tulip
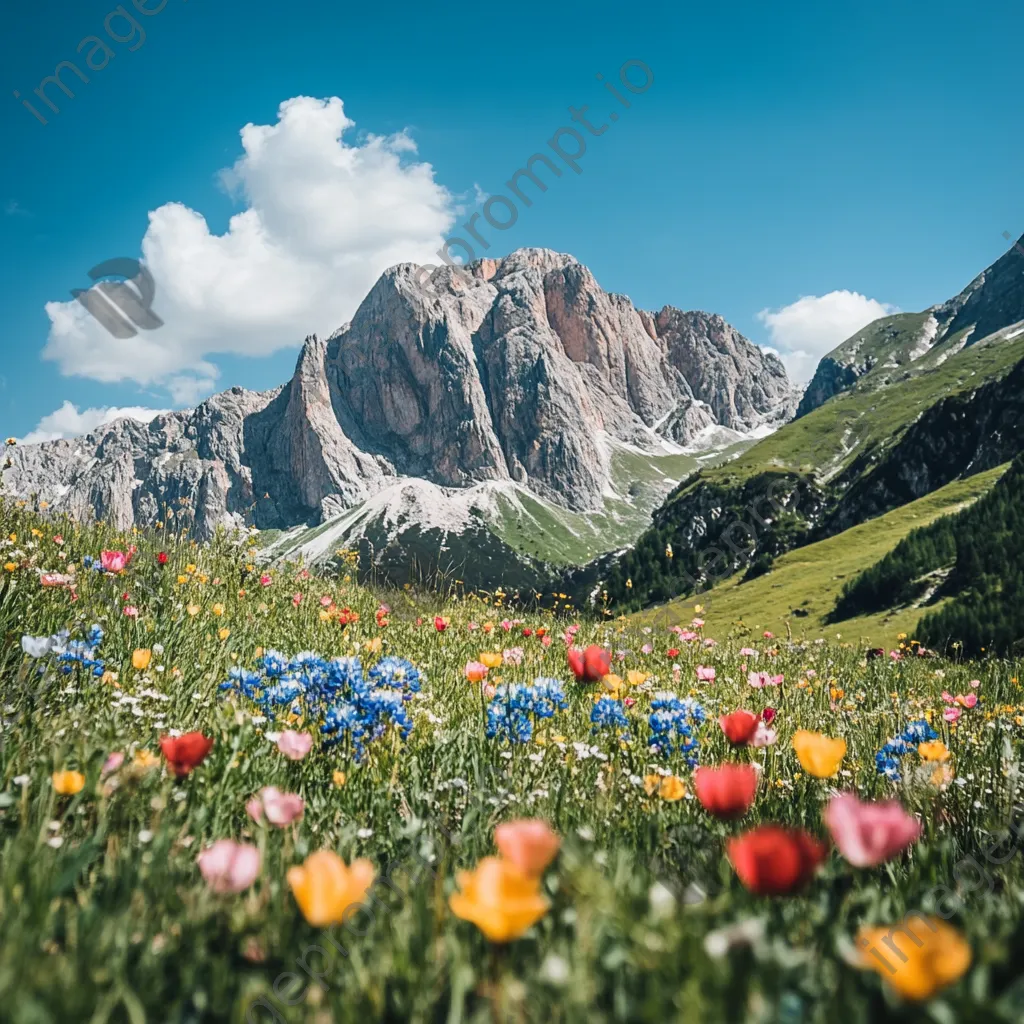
column 951, row 714
column 228, row 866
column 280, row 809
column 294, row 745
column 867, row 834
column 705, row 674
column 114, row 561
column 530, row 845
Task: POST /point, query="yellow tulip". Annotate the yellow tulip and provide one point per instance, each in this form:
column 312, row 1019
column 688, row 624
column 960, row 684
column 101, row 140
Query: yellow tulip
column 819, row 755
column 499, row 899
column 668, row 787
column 145, row 759
column 141, row 658
column 492, row 659
column 68, row 783
column 325, row 887
column 918, row 957
column 933, row 750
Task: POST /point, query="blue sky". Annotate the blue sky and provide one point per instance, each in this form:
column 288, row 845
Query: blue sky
column 783, row 151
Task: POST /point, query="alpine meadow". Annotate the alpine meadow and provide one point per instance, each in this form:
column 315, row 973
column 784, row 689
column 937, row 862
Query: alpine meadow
column 478, row 643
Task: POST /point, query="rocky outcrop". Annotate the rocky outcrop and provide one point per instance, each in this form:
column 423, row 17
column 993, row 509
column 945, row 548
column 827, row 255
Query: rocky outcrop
column 988, row 306
column 519, row 369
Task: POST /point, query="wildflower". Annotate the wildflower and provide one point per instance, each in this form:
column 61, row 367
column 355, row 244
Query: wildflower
column 739, row 726
column 514, row 655
column 775, row 861
column 280, row 809
column 672, row 722
column 669, row 787
column 229, row 867
column 475, row 671
column 325, row 887
column 530, row 845
column 819, row 755
column 223, row 634
column 867, row 834
column 499, row 899
column 115, row 561
column 162, row 558
column 130, row 611
column 183, row 753
column 759, row 680
column 144, row 760
column 339, row 778
column 218, row 610
column 705, row 674
column 294, row 745
column 952, row 714
column 266, row 579
column 933, row 750
column 441, row 623
column 68, row 783
column 929, row 956
column 141, row 658
column 491, row 659
column 112, row 763
column 193, row 610
column 374, row 645
column 727, row 791
column 589, row 665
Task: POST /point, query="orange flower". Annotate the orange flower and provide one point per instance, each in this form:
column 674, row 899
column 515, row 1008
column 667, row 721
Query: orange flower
column 68, row 783
column 928, row 956
column 933, row 750
column 325, row 887
column 141, row 658
column 668, row 787
column 476, row 672
column 530, row 845
column 492, row 659
column 499, row 899
column 819, row 755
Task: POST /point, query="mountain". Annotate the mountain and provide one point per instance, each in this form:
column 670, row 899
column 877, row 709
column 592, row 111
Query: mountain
column 517, row 392
column 903, row 408
column 888, row 348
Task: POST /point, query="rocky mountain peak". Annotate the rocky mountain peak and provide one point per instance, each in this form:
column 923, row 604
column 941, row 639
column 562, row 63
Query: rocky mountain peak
column 520, row 369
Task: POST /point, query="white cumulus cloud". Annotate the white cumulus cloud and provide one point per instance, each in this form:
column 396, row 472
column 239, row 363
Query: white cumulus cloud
column 807, row 329
column 323, row 218
column 69, row 421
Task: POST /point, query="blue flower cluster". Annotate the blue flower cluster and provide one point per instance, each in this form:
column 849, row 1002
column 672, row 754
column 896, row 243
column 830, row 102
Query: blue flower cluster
column 349, row 703
column 887, row 760
column 673, row 722
column 607, row 713
column 92, row 563
column 68, row 652
column 513, row 708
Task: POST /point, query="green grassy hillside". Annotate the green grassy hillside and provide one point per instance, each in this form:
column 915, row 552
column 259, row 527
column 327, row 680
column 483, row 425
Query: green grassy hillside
column 804, row 585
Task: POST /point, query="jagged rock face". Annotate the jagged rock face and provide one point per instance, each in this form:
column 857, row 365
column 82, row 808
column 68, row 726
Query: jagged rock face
column 516, row 370
column 829, row 379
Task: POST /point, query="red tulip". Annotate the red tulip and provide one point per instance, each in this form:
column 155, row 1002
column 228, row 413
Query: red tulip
column 590, row 665
column 440, row 623
column 672, row 653
column 739, row 726
column 775, row 861
column 162, row 558
column 186, row 752
column 768, row 716
column 727, row 791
